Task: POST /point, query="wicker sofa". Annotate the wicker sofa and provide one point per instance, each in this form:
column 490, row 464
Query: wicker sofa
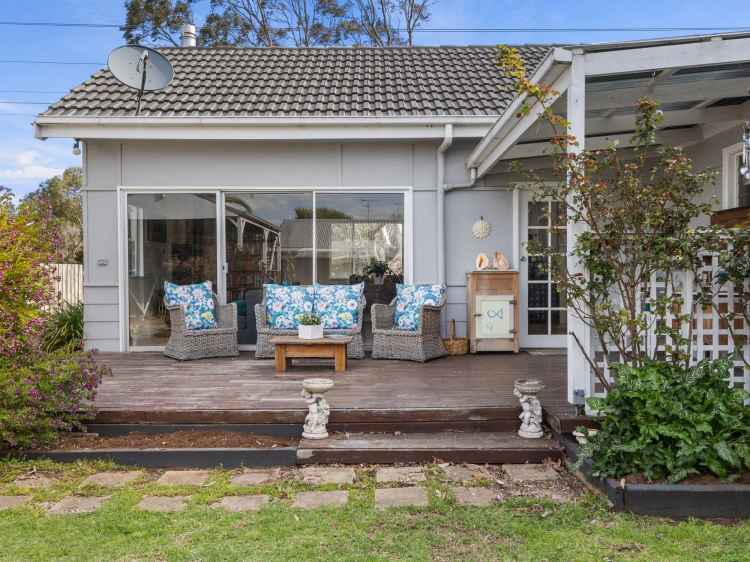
column 264, row 349
column 421, row 345
column 187, row 344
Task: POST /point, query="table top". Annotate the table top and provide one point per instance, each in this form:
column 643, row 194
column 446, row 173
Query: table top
column 325, row 340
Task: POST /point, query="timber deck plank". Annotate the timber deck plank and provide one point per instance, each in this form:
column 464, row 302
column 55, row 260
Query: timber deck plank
column 149, row 387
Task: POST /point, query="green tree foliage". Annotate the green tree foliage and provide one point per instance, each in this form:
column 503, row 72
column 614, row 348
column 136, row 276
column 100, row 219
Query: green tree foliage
column 63, row 194
column 156, row 21
column 270, row 23
column 28, row 244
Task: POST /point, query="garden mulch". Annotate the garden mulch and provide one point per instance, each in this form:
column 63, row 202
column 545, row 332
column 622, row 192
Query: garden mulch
column 198, row 439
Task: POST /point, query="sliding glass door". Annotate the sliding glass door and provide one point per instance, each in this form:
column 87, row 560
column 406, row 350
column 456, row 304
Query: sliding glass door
column 293, row 237
column 170, row 237
column 269, row 239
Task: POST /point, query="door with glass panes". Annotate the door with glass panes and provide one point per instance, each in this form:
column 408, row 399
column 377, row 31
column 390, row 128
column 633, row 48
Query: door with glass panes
column 543, row 309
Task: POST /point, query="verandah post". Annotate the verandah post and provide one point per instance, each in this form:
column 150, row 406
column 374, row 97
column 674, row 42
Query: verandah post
column 579, row 377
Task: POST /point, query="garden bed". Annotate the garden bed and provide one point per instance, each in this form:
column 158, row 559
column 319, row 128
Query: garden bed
column 179, row 449
column 203, row 439
column 699, row 496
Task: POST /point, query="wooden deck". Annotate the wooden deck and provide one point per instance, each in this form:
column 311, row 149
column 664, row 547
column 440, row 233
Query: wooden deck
column 449, row 392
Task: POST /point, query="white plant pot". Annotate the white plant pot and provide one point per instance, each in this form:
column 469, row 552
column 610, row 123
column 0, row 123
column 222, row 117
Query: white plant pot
column 310, row 332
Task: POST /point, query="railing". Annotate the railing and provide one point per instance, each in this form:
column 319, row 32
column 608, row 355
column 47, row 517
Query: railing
column 710, row 331
column 68, row 283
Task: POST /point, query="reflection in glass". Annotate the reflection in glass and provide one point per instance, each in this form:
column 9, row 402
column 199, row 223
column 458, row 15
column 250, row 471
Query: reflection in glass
column 355, row 229
column 559, row 322
column 538, row 295
column 537, row 322
column 171, row 237
column 538, row 213
column 268, row 240
column 538, row 270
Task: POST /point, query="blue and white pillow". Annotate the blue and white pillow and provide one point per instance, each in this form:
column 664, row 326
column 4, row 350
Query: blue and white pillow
column 197, row 300
column 409, row 302
column 286, row 303
column 338, row 305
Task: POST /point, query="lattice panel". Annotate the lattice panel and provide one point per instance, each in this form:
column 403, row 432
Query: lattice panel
column 710, row 332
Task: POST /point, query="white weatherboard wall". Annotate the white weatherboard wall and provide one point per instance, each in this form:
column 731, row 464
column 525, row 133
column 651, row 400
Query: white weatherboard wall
column 254, row 165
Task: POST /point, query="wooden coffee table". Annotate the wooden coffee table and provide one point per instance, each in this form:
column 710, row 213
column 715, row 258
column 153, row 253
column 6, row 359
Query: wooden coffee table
column 292, row 347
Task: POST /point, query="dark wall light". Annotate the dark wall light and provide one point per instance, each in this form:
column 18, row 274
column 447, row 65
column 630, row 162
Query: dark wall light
column 77, row 148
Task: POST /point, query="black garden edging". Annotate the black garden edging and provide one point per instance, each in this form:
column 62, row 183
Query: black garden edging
column 678, row 501
column 175, row 458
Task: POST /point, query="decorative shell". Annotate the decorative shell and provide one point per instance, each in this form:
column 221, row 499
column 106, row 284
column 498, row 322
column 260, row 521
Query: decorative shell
column 500, row 262
column 482, row 262
column 481, row 229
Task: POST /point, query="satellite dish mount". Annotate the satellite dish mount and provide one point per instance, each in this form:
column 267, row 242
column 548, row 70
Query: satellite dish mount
column 140, row 68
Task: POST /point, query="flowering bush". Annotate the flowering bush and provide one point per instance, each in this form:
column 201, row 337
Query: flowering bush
column 28, row 244
column 52, row 394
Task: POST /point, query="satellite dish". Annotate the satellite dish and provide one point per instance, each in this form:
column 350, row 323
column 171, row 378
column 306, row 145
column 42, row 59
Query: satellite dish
column 141, row 68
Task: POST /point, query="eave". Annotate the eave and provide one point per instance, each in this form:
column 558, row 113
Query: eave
column 260, row 128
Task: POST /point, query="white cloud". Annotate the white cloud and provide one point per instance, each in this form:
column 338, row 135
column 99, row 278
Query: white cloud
column 27, row 165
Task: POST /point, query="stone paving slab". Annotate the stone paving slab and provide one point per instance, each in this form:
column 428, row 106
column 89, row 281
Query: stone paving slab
column 400, row 474
column 77, row 504
column 184, row 477
column 474, row 496
column 242, row 503
column 464, row 473
column 400, row 497
column 163, row 504
column 112, row 479
column 530, row 472
column 311, row 500
column 254, row 477
column 322, row 475
column 35, row 481
column 9, row 502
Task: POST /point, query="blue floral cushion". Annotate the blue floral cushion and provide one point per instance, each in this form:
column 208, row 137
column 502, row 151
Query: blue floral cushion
column 286, row 303
column 197, row 301
column 338, row 305
column 409, row 302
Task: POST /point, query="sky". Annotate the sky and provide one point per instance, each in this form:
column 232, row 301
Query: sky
column 26, row 161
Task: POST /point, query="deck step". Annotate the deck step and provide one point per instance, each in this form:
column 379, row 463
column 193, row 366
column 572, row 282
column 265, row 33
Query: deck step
column 353, row 420
column 388, row 448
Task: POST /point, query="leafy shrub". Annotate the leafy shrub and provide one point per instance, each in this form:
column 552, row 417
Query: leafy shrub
column 52, row 394
column 667, row 422
column 64, row 330
column 28, row 244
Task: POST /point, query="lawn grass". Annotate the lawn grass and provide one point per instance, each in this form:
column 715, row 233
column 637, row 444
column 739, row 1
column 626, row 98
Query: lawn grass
column 518, row 529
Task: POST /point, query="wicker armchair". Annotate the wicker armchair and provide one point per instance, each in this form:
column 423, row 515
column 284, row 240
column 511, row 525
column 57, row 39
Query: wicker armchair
column 264, row 349
column 187, row 344
column 421, row 345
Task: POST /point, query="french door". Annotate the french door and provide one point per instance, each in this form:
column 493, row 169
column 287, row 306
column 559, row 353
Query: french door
column 543, row 308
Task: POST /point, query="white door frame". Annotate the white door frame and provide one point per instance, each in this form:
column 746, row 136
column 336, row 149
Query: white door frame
column 530, row 340
column 219, row 191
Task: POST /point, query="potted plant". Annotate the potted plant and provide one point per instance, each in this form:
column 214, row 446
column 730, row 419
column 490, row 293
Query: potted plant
column 378, row 270
column 310, row 327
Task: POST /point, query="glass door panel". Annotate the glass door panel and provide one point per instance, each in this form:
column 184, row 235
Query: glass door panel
column 355, row 230
column 544, row 320
column 269, row 239
column 171, row 237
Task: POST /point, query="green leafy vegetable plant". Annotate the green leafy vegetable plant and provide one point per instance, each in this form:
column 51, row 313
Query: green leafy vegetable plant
column 668, row 422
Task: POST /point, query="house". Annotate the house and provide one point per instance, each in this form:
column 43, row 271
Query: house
column 398, row 151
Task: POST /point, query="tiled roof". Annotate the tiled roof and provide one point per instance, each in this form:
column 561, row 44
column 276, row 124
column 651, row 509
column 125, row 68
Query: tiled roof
column 330, row 82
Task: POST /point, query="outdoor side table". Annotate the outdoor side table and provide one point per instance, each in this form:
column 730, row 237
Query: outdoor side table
column 287, row 348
